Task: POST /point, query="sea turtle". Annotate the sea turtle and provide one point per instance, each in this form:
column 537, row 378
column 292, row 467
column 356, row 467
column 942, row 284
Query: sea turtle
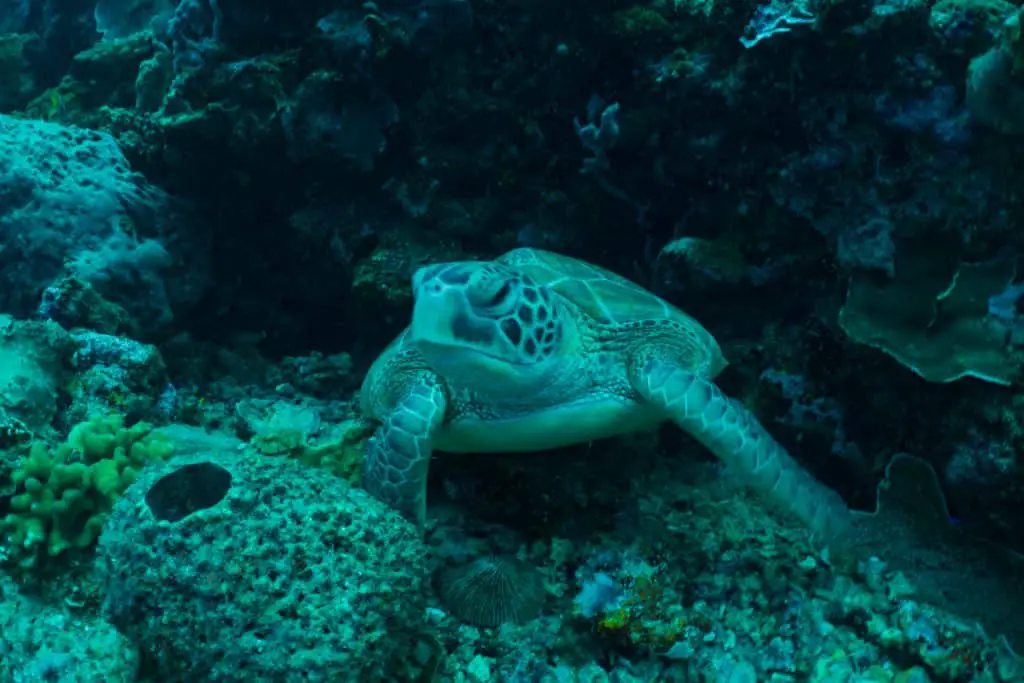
column 536, row 350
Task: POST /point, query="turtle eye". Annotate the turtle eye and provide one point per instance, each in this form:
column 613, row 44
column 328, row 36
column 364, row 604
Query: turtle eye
column 501, row 294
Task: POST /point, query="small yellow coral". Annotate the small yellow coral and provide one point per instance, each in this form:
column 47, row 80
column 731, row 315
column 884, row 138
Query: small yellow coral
column 615, row 620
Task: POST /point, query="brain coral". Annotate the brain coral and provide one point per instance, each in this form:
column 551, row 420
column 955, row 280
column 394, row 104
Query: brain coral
column 235, row 567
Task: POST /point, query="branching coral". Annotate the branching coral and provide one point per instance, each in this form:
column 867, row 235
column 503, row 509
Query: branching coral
column 64, row 494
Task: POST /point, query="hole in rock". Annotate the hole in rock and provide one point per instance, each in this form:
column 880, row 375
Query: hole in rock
column 187, row 490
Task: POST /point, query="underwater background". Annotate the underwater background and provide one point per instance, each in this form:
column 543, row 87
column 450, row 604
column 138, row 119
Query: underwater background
column 211, row 214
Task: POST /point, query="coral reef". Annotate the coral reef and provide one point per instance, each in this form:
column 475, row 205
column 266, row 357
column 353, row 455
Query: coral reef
column 33, row 364
column 41, row 643
column 210, row 215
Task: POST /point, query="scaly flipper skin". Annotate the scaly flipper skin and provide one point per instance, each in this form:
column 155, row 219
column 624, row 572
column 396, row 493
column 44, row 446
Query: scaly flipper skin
column 735, row 436
column 397, row 456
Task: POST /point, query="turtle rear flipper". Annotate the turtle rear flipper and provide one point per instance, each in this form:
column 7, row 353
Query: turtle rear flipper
column 735, row 436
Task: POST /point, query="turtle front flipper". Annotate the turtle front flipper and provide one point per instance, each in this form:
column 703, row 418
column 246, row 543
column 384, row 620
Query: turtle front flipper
column 397, row 456
column 735, row 436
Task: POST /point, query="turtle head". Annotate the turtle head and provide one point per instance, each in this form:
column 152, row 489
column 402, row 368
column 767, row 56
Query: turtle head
column 487, row 326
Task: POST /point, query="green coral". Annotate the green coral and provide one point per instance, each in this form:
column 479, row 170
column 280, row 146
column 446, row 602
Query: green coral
column 340, row 456
column 340, row 453
column 64, row 494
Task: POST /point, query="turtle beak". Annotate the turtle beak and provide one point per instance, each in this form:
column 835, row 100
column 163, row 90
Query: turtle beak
column 423, row 275
column 432, row 316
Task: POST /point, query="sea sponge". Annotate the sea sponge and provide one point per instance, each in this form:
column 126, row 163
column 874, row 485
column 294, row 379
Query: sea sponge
column 234, row 566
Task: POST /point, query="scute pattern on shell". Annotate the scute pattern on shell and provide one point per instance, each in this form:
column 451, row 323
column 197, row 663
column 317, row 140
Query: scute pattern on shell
column 604, row 296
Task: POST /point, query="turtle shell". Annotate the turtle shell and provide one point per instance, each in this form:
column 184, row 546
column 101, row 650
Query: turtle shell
column 606, row 297
column 611, row 299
